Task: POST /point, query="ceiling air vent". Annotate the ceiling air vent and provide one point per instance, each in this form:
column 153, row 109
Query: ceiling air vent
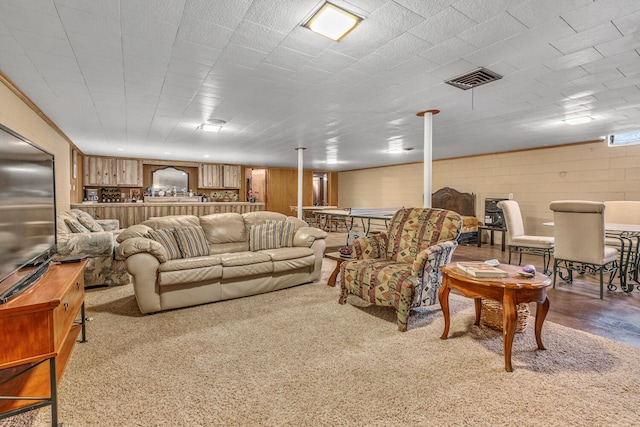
column 474, row 79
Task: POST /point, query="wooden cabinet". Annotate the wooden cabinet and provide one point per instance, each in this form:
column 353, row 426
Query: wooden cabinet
column 99, row 171
column 107, row 171
column 129, row 172
column 231, row 176
column 38, row 329
column 209, row 175
column 219, row 176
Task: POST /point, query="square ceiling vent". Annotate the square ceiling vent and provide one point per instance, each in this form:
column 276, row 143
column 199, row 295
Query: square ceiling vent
column 473, row 79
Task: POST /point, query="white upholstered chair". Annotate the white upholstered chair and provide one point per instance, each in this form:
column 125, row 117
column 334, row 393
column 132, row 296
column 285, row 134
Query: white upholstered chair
column 519, row 242
column 579, row 236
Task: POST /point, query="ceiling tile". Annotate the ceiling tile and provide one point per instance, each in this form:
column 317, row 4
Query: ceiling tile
column 88, row 24
column 587, row 38
column 257, row 36
column 599, row 12
column 498, row 28
column 166, row 11
column 36, row 22
column 195, row 30
column 109, row 9
column 442, row 26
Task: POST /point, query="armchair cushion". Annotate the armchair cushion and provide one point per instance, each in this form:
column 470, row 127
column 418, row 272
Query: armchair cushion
column 371, row 247
column 88, row 222
column 75, row 226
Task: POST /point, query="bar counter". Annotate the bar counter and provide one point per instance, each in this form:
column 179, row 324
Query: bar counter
column 134, row 213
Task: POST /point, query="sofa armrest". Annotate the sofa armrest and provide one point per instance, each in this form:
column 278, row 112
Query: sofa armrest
column 143, row 267
column 371, row 247
column 305, row 236
column 92, row 244
column 137, row 245
column 109, row 224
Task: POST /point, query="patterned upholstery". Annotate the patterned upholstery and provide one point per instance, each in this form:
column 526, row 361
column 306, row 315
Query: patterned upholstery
column 102, row 267
column 401, row 268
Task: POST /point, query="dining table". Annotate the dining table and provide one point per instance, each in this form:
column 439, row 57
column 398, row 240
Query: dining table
column 629, row 236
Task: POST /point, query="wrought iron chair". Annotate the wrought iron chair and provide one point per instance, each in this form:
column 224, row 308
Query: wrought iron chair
column 520, row 243
column 623, row 212
column 579, row 236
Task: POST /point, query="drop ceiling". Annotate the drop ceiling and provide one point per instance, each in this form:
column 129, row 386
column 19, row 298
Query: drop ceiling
column 135, row 78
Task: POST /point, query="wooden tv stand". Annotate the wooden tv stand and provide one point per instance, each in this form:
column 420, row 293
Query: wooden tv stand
column 38, row 329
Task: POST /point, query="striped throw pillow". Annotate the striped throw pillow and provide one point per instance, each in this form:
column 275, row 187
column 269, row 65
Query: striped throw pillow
column 265, row 236
column 287, row 231
column 192, row 241
column 167, row 238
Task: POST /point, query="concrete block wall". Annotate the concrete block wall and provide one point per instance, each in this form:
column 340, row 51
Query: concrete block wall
column 587, row 171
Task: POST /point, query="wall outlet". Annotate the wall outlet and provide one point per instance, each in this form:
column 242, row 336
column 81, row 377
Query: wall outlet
column 510, row 196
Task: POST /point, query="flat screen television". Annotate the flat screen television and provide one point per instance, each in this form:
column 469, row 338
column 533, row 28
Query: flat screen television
column 27, row 213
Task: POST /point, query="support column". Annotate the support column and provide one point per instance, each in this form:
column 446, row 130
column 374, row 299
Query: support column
column 300, row 169
column 427, row 187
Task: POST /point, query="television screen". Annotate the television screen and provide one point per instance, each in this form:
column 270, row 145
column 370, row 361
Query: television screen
column 27, row 210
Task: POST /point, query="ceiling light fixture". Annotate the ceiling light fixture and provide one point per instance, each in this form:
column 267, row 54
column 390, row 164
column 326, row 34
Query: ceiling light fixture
column 212, row 125
column 578, row 120
column 332, row 22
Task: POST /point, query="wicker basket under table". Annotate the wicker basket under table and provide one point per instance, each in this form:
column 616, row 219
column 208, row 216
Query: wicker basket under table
column 491, row 315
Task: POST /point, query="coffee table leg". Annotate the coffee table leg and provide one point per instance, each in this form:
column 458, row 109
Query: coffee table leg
column 443, row 296
column 509, row 317
column 541, row 314
column 332, row 278
column 478, row 304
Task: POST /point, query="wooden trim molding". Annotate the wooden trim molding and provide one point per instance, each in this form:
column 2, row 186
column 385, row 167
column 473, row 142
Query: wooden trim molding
column 24, row 98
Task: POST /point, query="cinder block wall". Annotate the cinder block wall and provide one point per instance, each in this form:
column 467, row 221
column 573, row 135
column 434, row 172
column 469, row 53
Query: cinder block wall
column 588, row 171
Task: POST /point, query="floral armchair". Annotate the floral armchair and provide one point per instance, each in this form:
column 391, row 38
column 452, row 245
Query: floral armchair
column 78, row 233
column 401, row 268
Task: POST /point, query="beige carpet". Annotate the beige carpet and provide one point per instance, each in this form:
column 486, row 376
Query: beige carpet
column 298, row 358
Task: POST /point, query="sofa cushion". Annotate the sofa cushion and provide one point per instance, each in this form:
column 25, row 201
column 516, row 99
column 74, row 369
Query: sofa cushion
column 192, row 241
column 244, row 258
column 172, row 221
column 190, row 263
column 75, row 226
column 87, row 221
column 265, row 236
column 189, row 270
column 224, row 228
column 282, row 254
column 244, row 264
column 293, row 264
column 167, row 238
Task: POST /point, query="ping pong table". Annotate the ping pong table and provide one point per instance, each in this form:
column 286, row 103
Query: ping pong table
column 366, row 215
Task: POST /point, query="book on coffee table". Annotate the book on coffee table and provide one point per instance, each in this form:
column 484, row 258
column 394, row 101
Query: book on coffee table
column 480, row 269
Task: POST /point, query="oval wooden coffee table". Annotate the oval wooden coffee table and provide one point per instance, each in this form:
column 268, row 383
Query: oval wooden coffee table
column 510, row 291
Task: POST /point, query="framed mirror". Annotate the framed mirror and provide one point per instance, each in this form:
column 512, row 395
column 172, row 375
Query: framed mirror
column 165, row 180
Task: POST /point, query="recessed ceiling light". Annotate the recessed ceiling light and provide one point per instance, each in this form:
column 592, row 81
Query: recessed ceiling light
column 120, row 149
column 332, row 22
column 578, row 120
column 166, row 152
column 212, row 125
column 207, row 156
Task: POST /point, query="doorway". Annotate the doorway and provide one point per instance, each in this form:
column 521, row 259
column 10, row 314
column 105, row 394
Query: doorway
column 320, row 189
